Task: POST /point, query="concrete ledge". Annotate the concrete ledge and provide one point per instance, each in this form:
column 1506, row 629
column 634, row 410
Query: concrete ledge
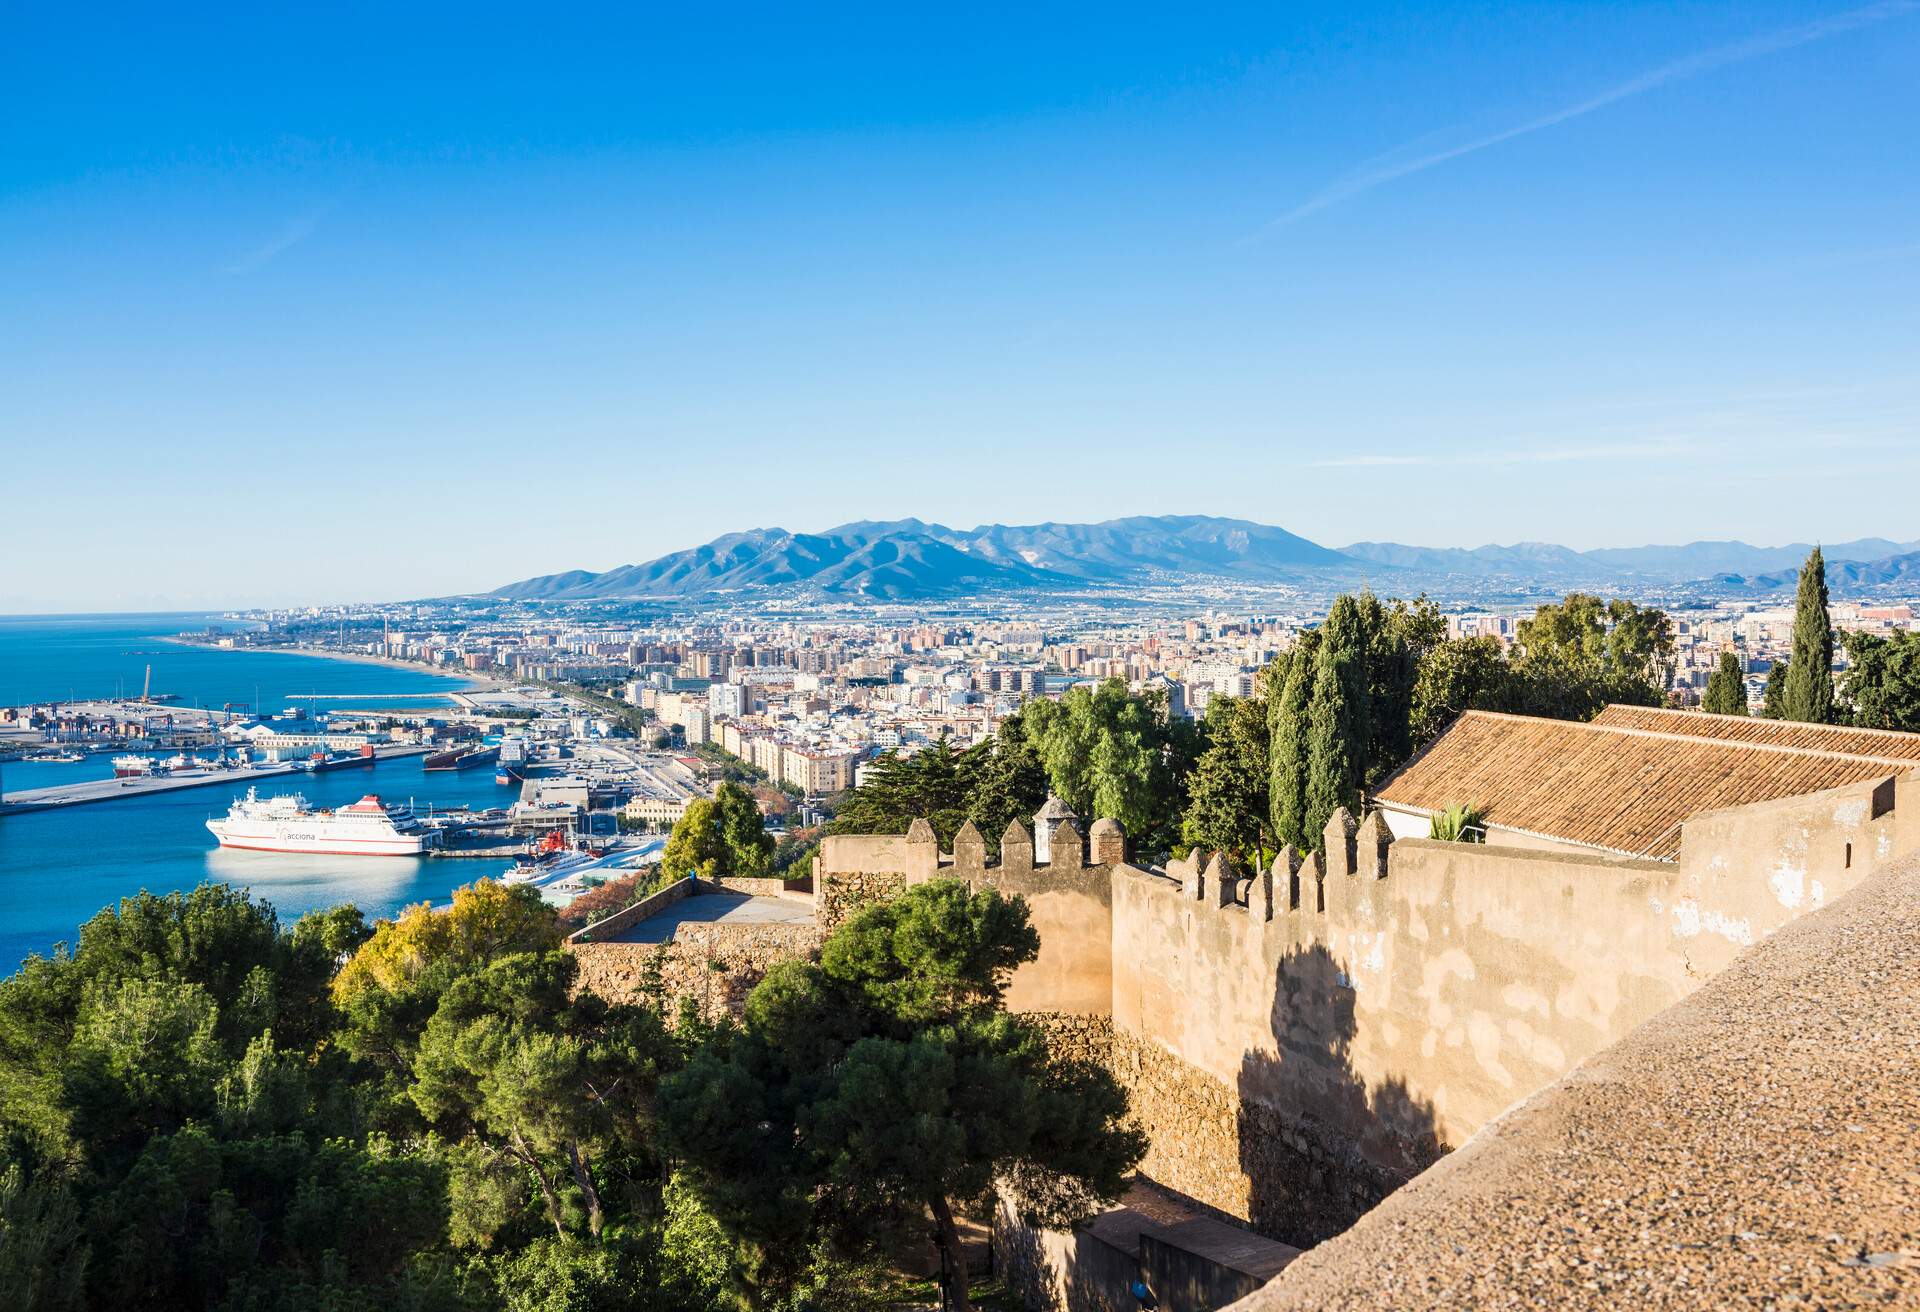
column 629, row 916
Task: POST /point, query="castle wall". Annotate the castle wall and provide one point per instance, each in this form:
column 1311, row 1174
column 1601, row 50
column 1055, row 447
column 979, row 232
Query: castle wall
column 1073, row 912
column 1299, row 1044
column 1070, row 902
column 1292, row 1067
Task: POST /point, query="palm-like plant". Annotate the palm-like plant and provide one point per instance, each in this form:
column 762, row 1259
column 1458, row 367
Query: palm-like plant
column 1459, row 823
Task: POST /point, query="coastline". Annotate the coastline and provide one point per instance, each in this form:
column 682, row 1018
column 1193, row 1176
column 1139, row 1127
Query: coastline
column 479, row 678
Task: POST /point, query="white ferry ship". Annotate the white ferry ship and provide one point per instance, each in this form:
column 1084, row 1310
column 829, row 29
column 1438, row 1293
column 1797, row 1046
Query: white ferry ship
column 287, row 824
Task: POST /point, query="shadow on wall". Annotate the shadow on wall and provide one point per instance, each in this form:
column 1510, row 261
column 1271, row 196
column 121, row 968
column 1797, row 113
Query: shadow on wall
column 1087, row 1275
column 1318, row 1147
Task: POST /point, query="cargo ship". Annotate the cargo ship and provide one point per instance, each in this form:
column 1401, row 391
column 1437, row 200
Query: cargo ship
column 287, row 824
column 512, row 768
column 468, row 757
column 136, row 767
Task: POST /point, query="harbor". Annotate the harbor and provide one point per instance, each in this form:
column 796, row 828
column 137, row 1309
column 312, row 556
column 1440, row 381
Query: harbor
column 75, row 685
column 354, row 782
column 117, row 789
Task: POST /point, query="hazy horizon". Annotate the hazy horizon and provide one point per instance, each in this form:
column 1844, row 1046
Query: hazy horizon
column 370, row 304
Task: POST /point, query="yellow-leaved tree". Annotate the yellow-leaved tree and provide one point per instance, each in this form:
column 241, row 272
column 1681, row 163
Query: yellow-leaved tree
column 391, row 986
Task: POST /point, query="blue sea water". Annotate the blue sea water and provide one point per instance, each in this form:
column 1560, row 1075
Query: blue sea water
column 57, row 868
column 62, row 657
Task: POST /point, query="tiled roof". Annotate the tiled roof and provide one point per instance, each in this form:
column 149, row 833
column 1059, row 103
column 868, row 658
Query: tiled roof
column 1772, row 733
column 1610, row 786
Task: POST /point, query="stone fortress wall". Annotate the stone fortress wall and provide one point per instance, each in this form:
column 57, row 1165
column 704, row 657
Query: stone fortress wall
column 1301, row 1041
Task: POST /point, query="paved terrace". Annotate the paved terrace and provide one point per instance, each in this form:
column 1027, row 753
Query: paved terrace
column 1755, row 1146
column 715, row 908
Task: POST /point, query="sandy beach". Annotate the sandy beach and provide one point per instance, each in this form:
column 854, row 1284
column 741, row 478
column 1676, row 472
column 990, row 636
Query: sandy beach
column 481, row 679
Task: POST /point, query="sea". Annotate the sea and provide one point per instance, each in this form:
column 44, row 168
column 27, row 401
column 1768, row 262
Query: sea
column 60, row 867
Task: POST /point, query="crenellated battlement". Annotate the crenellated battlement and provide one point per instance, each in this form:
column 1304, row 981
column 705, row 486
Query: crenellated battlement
column 1301, row 1037
column 855, row 868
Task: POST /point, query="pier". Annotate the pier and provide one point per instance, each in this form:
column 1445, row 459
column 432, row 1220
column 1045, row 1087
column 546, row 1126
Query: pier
column 108, row 790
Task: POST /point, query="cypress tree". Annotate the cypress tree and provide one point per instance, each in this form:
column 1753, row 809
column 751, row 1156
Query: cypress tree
column 1287, row 699
column 1773, row 698
column 1726, row 689
column 1338, row 724
column 1809, row 690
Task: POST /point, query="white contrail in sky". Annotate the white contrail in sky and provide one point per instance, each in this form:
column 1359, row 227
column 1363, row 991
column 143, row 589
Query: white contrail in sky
column 1694, row 65
column 289, row 236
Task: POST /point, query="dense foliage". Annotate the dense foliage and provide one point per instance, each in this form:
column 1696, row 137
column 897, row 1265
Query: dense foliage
column 1883, row 680
column 1773, row 697
column 992, row 784
column 201, row 1108
column 886, row 1083
column 1807, row 691
column 1228, row 793
column 1726, row 687
column 717, row 836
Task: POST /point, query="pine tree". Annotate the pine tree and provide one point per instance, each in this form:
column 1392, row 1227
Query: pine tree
column 1339, row 726
column 1288, row 693
column 1726, row 689
column 1809, row 691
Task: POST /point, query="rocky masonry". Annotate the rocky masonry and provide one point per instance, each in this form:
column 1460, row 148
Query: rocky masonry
column 715, row 965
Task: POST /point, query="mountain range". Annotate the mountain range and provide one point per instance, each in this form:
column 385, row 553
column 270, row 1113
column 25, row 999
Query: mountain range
column 908, row 559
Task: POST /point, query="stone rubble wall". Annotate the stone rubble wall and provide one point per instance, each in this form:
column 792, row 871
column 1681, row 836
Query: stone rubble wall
column 1288, row 1177
column 714, row 965
column 800, row 889
column 845, row 893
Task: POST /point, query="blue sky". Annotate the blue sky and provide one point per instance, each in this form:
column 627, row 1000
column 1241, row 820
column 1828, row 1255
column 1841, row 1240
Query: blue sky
column 354, row 303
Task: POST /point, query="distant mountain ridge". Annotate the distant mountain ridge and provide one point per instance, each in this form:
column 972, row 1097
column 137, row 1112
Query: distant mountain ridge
column 1667, row 564
column 1849, row 574
column 909, row 559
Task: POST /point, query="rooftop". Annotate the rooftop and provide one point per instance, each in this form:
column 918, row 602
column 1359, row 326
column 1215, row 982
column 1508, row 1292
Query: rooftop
column 1877, row 743
column 1625, row 788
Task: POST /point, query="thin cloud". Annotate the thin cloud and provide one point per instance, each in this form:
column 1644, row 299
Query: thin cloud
column 283, row 241
column 1372, row 462
column 1694, row 65
column 1542, row 455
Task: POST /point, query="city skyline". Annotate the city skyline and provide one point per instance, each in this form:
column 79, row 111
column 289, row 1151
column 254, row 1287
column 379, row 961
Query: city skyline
column 311, row 311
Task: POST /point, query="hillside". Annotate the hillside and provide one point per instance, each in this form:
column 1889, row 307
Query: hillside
column 910, row 559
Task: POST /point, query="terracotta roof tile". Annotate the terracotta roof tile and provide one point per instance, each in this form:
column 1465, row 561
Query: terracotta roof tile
column 1611, row 786
column 1772, row 733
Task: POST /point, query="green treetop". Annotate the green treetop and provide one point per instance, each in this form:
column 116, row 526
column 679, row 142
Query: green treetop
column 1883, row 681
column 1289, row 690
column 1809, row 694
column 1112, row 753
column 885, row 1083
column 1339, row 723
column 1227, row 806
column 1726, row 688
column 1773, row 697
column 719, row 836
